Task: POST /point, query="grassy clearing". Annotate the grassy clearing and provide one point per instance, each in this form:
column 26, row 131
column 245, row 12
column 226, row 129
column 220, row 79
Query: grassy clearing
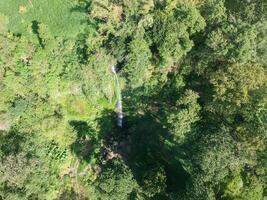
column 61, row 16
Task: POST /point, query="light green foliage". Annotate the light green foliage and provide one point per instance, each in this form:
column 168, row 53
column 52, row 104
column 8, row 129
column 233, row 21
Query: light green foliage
column 184, row 115
column 94, row 40
column 16, row 169
column 246, row 187
column 55, row 152
column 97, row 76
column 234, row 187
column 12, row 54
column 26, row 172
column 192, row 77
column 233, row 85
column 138, row 63
column 3, row 23
column 254, row 190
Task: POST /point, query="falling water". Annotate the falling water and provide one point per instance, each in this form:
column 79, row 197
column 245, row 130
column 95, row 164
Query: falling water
column 119, row 100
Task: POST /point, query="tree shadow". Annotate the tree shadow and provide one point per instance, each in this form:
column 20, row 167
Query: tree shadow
column 85, row 141
column 11, row 142
column 148, row 148
column 150, row 142
column 35, row 30
column 141, row 144
column 89, row 138
column 82, row 7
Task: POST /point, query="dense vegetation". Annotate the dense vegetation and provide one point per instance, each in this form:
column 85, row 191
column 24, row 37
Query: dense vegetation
column 194, row 90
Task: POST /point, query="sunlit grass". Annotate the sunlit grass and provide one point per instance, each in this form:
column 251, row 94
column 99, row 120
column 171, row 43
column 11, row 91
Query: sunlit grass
column 61, row 16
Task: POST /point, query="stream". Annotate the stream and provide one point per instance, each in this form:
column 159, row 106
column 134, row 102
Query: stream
column 119, row 99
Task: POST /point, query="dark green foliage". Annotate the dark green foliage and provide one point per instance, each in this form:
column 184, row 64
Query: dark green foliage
column 224, row 40
column 173, row 28
column 115, row 181
column 194, row 97
column 154, row 181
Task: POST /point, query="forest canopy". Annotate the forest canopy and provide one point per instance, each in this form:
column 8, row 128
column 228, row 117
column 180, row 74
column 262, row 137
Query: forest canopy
column 133, row 99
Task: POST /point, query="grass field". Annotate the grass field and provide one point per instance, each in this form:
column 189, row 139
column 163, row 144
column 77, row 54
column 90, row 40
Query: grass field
column 61, row 16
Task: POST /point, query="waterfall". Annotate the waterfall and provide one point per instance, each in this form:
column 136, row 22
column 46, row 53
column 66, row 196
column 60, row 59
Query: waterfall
column 119, row 100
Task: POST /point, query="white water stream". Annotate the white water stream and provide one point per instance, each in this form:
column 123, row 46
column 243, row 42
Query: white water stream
column 119, row 99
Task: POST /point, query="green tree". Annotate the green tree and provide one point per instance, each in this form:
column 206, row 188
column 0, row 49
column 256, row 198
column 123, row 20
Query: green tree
column 182, row 117
column 115, row 181
column 172, row 30
column 97, row 78
column 138, row 63
column 234, row 86
column 213, row 159
column 153, row 181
